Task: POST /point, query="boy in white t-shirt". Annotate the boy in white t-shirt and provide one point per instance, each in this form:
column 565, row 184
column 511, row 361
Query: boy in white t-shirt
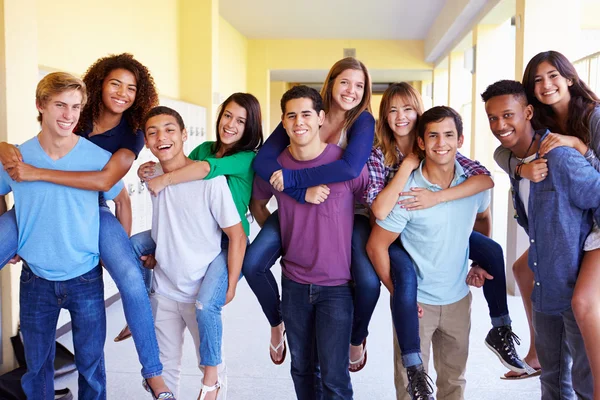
column 187, row 225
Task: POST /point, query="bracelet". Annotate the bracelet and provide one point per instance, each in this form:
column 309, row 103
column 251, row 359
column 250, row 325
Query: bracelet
column 518, row 171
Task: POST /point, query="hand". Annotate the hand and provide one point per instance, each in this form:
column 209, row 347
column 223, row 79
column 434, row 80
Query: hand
column 421, row 198
column 229, row 295
column 554, row 140
column 20, row 171
column 9, row 153
column 146, row 170
column 316, row 194
column 536, row 171
column 277, row 180
column 149, row 261
column 411, row 160
column 15, row 259
column 477, row 276
column 419, row 311
column 156, row 185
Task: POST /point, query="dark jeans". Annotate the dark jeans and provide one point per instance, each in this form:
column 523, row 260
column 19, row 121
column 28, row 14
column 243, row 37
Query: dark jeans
column 318, row 321
column 483, row 250
column 266, row 249
column 41, row 301
column 566, row 371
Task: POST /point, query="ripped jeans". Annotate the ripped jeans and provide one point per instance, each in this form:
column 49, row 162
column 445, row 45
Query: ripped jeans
column 210, row 300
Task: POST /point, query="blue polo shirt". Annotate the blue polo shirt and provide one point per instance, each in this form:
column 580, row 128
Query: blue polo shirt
column 58, row 225
column 437, row 239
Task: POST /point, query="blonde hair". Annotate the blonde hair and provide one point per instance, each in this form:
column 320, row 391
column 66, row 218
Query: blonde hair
column 384, row 136
column 326, row 92
column 55, row 83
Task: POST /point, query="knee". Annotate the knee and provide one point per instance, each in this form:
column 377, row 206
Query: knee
column 207, row 309
column 583, row 304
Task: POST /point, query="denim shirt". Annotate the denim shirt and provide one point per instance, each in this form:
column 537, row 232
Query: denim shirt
column 560, row 215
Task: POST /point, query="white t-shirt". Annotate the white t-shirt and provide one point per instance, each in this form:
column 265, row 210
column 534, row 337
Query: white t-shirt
column 525, row 185
column 186, row 225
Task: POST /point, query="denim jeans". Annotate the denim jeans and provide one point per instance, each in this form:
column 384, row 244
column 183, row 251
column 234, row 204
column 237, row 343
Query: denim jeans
column 488, row 255
column 124, row 267
column 41, row 301
column 266, row 249
column 9, row 236
column 318, row 322
column 367, row 285
column 210, row 300
column 559, row 343
column 483, row 250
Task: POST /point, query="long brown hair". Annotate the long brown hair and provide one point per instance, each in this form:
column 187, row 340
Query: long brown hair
column 326, row 92
column 582, row 103
column 384, row 136
column 252, row 138
column 146, row 96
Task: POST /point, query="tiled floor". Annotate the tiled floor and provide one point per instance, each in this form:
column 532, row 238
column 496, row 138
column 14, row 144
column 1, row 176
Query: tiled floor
column 251, row 374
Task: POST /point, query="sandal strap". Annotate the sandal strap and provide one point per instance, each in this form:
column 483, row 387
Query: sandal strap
column 276, row 349
column 207, row 389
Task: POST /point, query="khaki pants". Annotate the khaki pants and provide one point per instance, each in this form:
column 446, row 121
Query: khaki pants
column 171, row 318
column 447, row 329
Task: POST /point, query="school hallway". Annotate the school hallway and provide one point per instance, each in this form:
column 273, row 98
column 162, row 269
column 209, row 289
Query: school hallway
column 252, row 375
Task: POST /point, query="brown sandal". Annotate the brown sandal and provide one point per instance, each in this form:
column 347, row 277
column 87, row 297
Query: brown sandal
column 122, row 335
column 276, row 349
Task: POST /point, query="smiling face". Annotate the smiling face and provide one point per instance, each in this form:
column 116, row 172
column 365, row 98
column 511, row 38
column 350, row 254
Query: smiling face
column 164, row 137
column 232, row 124
column 509, row 119
column 401, row 117
column 302, row 122
column 60, row 113
column 550, row 87
column 118, row 91
column 348, row 89
column 441, row 142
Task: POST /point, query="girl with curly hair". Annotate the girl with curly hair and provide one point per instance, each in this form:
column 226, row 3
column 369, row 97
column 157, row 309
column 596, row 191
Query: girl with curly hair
column 120, row 92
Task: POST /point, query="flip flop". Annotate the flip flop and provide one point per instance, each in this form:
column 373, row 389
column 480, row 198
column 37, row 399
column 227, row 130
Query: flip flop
column 362, row 361
column 276, row 349
column 122, row 336
column 524, row 375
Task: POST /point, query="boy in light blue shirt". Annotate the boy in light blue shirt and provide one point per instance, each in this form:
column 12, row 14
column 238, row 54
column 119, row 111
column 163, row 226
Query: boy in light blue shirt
column 437, row 240
column 58, row 243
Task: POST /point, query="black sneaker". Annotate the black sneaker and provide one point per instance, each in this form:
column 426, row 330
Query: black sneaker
column 501, row 341
column 419, row 383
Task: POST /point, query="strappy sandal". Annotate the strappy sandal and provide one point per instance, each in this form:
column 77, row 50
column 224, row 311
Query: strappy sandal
column 276, row 349
column 362, row 361
column 208, row 389
column 161, row 396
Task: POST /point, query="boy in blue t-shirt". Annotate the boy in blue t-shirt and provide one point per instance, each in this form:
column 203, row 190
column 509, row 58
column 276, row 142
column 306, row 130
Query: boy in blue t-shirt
column 58, row 243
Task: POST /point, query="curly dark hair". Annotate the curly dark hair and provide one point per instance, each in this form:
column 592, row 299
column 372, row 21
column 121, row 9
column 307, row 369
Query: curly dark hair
column 146, row 96
column 504, row 87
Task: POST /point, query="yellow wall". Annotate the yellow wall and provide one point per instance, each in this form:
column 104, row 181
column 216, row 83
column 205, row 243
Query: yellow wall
column 375, row 102
column 265, row 55
column 277, row 91
column 73, row 34
column 233, row 56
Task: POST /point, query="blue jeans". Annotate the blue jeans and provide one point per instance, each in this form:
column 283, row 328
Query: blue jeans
column 483, row 250
column 318, row 322
column 558, row 342
column 210, row 300
column 266, row 249
column 9, row 237
column 124, row 267
column 41, row 301
column 367, row 285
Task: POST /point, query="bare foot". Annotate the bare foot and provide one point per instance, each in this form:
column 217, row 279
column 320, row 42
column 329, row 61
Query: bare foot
column 276, row 339
column 532, row 361
column 356, row 352
column 157, row 385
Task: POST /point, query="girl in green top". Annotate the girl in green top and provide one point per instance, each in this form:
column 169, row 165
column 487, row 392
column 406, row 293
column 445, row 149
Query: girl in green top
column 239, row 136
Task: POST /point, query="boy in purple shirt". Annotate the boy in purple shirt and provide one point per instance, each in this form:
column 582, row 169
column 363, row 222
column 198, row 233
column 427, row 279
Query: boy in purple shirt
column 316, row 293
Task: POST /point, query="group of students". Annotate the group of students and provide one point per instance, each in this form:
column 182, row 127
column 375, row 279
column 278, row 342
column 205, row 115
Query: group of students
column 360, row 203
